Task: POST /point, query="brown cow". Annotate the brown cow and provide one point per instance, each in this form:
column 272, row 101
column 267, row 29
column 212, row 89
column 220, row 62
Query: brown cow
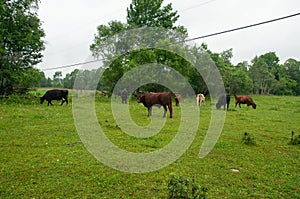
column 162, row 98
column 244, row 100
column 177, row 98
column 200, row 99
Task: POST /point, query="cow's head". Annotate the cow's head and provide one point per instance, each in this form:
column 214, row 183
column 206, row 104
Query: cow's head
column 42, row 100
column 177, row 98
column 140, row 98
column 218, row 105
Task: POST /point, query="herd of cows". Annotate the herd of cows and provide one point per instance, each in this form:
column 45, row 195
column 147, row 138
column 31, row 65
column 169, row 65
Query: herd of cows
column 150, row 99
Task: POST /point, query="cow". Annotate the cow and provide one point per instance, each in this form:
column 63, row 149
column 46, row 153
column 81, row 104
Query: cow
column 177, row 98
column 55, row 94
column 223, row 101
column 200, row 99
column 161, row 98
column 244, row 100
column 124, row 95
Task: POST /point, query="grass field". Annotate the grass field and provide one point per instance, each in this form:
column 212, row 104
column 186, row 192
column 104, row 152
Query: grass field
column 42, row 155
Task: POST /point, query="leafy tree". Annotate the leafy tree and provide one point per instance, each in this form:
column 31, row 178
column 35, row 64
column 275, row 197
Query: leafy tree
column 292, row 68
column 57, row 79
column 261, row 76
column 20, row 44
column 69, row 80
column 116, row 50
column 45, row 82
column 269, row 77
column 150, row 13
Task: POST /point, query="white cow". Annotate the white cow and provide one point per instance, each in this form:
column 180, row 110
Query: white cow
column 200, row 99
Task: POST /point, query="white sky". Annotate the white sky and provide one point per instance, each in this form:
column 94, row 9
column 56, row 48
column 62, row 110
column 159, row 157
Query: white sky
column 70, row 26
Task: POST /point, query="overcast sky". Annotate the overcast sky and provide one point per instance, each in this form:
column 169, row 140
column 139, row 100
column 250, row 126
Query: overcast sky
column 70, row 26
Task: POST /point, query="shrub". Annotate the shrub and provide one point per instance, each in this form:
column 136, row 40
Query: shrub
column 248, row 139
column 182, row 188
column 294, row 140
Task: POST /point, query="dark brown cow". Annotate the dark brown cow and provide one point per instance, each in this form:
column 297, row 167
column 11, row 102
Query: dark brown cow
column 162, row 98
column 244, row 100
column 223, row 101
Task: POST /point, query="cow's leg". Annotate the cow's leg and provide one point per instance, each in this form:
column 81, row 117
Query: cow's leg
column 62, row 101
column 165, row 110
column 170, row 110
column 149, row 111
column 49, row 102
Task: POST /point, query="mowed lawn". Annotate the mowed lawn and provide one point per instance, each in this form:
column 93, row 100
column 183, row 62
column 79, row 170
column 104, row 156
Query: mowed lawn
column 42, row 155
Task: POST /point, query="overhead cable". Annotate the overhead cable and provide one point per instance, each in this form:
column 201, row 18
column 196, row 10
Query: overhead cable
column 192, row 39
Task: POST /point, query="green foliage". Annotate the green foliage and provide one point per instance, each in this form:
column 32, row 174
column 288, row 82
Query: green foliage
column 151, row 13
column 292, row 68
column 183, row 188
column 117, row 50
column 248, row 139
column 21, row 44
column 294, row 140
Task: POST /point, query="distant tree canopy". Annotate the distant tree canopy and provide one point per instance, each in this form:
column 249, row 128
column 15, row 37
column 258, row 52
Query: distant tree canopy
column 20, row 45
column 263, row 76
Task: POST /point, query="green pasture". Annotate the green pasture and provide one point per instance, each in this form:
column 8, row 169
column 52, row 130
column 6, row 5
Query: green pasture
column 42, row 155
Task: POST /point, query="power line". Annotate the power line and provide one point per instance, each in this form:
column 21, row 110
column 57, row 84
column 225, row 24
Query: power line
column 72, row 65
column 192, row 39
column 243, row 27
column 196, row 6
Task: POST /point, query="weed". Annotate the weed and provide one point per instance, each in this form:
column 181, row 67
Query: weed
column 181, row 187
column 248, row 139
column 294, row 140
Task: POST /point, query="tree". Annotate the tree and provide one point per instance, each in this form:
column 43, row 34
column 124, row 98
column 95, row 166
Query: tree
column 261, row 77
column 118, row 55
column 69, row 80
column 57, row 79
column 150, row 13
column 269, row 77
column 20, row 44
column 292, row 68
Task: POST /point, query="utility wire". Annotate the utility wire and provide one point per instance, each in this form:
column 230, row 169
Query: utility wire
column 243, row 27
column 72, row 65
column 192, row 39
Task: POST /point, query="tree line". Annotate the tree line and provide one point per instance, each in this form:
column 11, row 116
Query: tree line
column 21, row 44
column 264, row 75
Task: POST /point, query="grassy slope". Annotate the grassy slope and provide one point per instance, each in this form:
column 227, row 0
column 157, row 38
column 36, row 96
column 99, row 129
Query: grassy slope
column 42, row 157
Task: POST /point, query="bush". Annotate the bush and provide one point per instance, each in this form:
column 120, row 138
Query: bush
column 248, row 139
column 182, row 188
column 294, row 140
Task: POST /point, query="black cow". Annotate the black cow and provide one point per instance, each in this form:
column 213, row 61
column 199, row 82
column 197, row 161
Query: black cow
column 55, row 95
column 223, row 101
